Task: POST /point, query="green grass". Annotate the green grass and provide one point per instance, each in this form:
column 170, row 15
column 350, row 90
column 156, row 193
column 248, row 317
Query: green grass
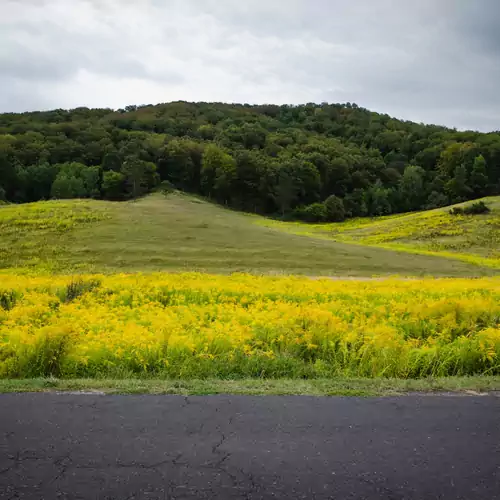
column 321, row 387
column 473, row 239
column 181, row 233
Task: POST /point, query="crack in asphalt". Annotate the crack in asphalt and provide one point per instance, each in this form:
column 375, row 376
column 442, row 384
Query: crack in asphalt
column 172, row 448
column 60, row 462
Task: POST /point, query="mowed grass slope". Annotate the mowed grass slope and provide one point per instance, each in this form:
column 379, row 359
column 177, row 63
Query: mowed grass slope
column 473, row 238
column 180, row 233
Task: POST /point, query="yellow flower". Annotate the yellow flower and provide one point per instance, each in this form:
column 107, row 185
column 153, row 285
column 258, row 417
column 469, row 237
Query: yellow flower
column 149, row 323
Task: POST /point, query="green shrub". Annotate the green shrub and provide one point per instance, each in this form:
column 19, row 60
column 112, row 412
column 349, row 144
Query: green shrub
column 335, row 210
column 477, row 208
column 312, row 213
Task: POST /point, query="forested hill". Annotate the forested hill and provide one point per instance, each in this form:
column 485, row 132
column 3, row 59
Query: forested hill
column 315, row 161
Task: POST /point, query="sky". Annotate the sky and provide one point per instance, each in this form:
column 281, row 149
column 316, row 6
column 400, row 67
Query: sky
column 431, row 61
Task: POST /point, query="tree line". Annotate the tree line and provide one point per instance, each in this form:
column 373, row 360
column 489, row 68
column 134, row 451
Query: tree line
column 316, row 162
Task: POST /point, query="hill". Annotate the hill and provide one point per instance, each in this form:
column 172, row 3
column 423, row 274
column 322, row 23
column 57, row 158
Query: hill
column 474, row 239
column 286, row 160
column 180, row 233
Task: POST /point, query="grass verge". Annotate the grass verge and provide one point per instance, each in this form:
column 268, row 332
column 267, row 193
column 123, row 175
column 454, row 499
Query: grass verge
column 319, row 387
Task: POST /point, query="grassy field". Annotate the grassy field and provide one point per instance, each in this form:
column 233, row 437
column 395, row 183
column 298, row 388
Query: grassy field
column 182, row 233
column 82, row 306
column 474, row 239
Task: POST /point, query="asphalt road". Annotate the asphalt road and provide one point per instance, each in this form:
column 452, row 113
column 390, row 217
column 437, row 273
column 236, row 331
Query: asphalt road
column 56, row 446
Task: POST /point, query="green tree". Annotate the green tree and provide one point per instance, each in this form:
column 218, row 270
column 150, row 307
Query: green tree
column 305, row 178
column 378, row 200
column 436, row 200
column 73, row 180
column 67, row 187
column 253, row 135
column 8, row 174
column 390, row 177
column 335, row 210
column 285, row 192
column 250, row 170
column 218, row 173
column 113, row 185
column 180, row 163
column 411, row 188
column 224, row 179
column 457, row 154
column 207, row 132
column 457, row 187
column 479, row 177
column 355, row 204
column 91, row 177
column 31, row 148
column 111, row 161
column 428, row 158
column 140, row 176
column 38, row 180
column 336, row 177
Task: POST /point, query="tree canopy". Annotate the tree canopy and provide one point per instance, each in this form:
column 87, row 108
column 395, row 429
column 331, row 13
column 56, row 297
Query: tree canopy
column 313, row 161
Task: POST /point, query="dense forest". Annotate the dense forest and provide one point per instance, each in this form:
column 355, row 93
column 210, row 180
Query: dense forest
column 316, row 162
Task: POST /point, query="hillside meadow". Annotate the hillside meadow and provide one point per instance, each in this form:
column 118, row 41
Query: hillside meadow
column 81, row 297
column 185, row 233
column 474, row 239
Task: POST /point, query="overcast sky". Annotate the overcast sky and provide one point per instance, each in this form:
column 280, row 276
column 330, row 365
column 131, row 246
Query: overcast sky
column 435, row 61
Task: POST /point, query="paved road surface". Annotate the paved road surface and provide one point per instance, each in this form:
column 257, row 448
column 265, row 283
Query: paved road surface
column 167, row 447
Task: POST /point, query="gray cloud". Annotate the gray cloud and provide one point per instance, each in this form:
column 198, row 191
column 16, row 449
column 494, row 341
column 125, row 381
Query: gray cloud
column 478, row 23
column 426, row 61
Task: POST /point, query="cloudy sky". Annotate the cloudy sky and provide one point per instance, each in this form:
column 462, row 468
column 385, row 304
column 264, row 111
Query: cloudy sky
column 435, row 61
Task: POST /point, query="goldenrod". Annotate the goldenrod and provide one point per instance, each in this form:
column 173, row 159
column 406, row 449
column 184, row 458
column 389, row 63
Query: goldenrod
column 197, row 325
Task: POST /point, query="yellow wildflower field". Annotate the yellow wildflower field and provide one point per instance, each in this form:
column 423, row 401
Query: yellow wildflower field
column 199, row 325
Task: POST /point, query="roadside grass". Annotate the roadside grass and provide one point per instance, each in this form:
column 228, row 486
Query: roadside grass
column 473, row 239
column 320, row 387
column 184, row 233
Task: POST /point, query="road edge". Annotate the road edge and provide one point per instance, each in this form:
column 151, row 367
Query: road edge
column 476, row 385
